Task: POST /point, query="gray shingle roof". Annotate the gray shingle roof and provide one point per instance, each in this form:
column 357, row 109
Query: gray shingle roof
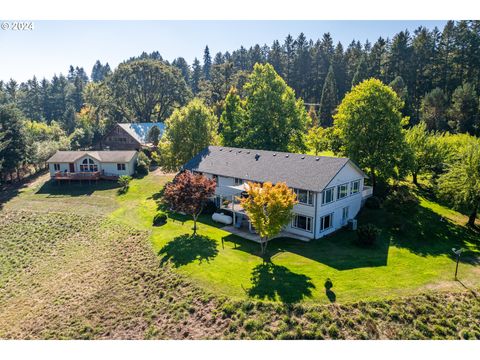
column 102, row 156
column 139, row 131
column 299, row 171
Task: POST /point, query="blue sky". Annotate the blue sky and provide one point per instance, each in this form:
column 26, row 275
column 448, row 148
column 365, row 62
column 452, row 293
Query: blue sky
column 53, row 45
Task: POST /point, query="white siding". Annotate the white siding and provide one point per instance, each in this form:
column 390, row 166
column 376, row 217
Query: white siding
column 63, row 167
column 346, row 175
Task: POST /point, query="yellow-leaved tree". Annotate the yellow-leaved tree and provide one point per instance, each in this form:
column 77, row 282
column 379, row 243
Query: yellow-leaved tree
column 269, row 208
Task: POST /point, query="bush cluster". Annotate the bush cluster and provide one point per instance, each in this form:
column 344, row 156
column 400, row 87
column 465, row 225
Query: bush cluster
column 160, row 218
column 367, row 234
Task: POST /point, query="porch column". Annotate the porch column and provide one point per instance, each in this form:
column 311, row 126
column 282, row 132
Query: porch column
column 233, row 209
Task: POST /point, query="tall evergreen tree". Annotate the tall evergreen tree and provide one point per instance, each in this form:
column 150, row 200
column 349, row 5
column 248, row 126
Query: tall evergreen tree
column 196, row 76
column 14, row 143
column 433, row 111
column 361, row 73
column 463, row 112
column 207, row 63
column 275, row 57
column 182, row 65
column 329, row 100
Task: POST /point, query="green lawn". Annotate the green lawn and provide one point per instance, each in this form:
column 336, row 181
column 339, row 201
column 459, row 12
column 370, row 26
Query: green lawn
column 407, row 261
column 412, row 259
column 67, row 271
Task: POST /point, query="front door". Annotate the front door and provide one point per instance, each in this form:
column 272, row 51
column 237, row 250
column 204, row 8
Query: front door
column 71, row 167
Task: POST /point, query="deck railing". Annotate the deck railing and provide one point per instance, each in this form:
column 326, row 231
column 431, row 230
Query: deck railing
column 59, row 175
column 367, row 192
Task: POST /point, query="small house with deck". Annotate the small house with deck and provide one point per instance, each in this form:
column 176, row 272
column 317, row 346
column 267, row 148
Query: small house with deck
column 92, row 165
column 330, row 190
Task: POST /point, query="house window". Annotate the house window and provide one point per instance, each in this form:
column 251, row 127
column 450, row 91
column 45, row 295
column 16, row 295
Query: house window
column 326, row 222
column 302, row 222
column 327, row 196
column 238, row 181
column 342, row 191
column 88, row 165
column 121, row 167
column 355, row 187
column 56, row 167
column 304, row 197
column 345, row 213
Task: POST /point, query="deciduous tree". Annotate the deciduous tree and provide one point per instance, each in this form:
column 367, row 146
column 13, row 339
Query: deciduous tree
column 461, row 182
column 275, row 119
column 232, row 121
column 187, row 131
column 425, row 152
column 269, row 208
column 189, row 193
column 369, row 124
column 147, row 90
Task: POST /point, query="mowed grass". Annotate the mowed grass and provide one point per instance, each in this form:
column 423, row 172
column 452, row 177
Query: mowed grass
column 402, row 263
column 417, row 258
column 73, row 273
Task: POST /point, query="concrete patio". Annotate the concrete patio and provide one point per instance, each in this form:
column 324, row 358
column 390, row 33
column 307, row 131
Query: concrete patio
column 255, row 237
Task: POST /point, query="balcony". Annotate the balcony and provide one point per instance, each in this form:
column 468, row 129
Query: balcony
column 367, row 192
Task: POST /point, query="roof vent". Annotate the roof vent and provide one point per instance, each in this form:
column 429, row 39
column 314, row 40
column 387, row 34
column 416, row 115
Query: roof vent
column 316, row 159
column 230, row 150
column 274, row 154
column 248, row 152
column 239, row 151
column 303, row 157
column 257, row 156
column 220, row 149
column 287, row 156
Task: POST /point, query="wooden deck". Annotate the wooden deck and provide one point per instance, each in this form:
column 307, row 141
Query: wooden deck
column 79, row 176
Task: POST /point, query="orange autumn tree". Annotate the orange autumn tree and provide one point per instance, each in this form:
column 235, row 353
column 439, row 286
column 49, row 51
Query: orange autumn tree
column 269, row 208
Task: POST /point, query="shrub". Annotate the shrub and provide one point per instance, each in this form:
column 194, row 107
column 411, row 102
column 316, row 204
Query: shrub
column 401, row 199
column 372, row 202
column 143, row 164
column 124, row 182
column 367, row 234
column 160, row 219
column 209, row 208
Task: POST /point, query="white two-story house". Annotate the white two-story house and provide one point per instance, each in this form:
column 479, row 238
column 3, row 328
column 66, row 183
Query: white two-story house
column 330, row 190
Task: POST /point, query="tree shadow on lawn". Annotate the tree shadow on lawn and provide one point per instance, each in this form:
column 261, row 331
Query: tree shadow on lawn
column 270, row 281
column 187, row 248
column 75, row 188
column 426, row 233
column 337, row 250
column 10, row 190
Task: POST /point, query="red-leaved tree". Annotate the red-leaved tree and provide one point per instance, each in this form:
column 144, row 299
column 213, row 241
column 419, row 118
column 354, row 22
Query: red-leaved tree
column 189, row 193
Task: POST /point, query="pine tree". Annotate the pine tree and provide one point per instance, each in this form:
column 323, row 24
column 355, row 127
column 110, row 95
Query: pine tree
column 207, row 63
column 433, row 111
column 196, row 76
column 463, row 112
column 14, row 143
column 361, row 73
column 275, row 57
column 329, row 100
column 182, row 64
